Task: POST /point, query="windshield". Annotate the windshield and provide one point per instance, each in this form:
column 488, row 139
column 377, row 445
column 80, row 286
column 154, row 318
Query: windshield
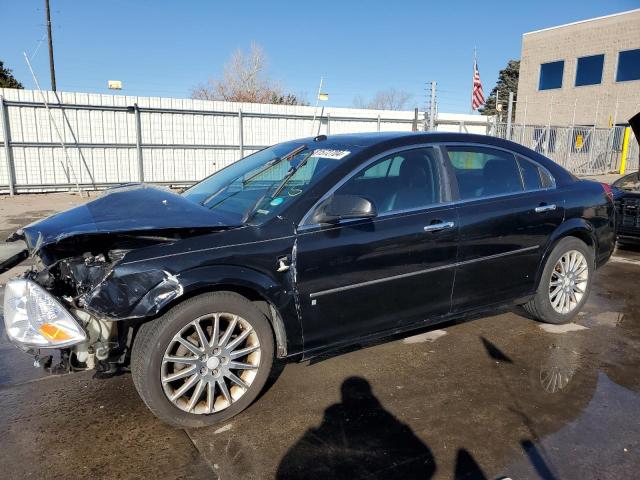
column 245, row 190
column 629, row 182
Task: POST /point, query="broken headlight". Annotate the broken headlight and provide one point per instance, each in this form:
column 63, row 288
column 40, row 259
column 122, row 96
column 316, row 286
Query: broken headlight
column 34, row 318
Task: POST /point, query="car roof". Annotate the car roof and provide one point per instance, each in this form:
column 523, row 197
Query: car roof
column 369, row 139
column 379, row 141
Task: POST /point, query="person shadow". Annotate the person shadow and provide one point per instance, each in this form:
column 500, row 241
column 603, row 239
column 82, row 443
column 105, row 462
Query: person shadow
column 358, row 438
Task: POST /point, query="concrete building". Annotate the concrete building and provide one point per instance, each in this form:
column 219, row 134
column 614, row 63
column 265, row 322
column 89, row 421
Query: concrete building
column 583, row 73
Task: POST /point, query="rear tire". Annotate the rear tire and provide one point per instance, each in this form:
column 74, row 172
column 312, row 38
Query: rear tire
column 565, row 283
column 192, row 373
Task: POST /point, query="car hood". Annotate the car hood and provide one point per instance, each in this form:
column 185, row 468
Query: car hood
column 131, row 208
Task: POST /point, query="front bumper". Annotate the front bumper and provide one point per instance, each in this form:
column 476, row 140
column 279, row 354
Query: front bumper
column 35, row 319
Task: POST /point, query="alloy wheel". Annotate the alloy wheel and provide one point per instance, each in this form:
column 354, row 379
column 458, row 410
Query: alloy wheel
column 568, row 282
column 210, row 363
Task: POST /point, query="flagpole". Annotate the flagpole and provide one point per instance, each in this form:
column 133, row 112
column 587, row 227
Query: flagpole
column 473, row 76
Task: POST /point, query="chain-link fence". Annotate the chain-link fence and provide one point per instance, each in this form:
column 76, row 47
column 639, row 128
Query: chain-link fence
column 581, row 150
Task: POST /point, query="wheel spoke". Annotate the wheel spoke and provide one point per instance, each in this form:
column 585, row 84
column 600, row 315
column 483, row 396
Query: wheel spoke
column 236, row 341
column 216, row 330
column 181, row 360
column 244, row 351
column 242, row 366
column 225, row 391
column 186, row 386
column 228, row 332
column 565, row 298
column 185, row 372
column 197, row 393
column 211, row 395
column 555, row 292
column 573, row 296
column 558, row 300
column 561, row 263
column 202, row 338
column 187, row 344
column 238, row 381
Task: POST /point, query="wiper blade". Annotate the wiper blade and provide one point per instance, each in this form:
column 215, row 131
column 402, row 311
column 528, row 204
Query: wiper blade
column 292, row 171
column 262, row 169
column 275, row 161
column 249, row 212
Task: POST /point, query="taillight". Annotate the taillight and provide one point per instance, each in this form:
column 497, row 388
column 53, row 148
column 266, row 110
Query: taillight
column 607, row 190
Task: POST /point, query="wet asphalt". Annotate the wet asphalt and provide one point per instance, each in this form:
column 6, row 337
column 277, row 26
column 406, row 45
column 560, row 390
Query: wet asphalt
column 492, row 397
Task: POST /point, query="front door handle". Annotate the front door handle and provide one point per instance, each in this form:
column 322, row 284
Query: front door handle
column 545, row 208
column 436, row 227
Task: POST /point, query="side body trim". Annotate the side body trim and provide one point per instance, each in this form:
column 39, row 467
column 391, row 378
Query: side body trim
column 420, row 272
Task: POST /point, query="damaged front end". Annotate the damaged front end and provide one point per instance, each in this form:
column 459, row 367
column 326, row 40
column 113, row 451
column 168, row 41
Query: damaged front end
column 80, row 298
column 71, row 304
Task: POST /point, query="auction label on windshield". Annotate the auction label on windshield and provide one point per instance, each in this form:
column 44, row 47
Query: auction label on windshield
column 333, row 154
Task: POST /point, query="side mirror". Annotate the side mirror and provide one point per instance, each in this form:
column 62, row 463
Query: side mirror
column 341, row 207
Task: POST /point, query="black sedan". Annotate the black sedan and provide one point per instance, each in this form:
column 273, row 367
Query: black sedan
column 301, row 248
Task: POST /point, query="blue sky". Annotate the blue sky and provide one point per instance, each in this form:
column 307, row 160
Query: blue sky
column 163, row 48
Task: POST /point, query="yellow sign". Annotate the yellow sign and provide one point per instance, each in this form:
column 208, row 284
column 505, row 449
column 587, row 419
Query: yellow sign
column 323, row 96
column 579, row 141
column 115, row 84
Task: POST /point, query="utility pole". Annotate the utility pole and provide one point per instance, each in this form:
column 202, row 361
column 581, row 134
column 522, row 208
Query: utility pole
column 432, row 107
column 51, row 65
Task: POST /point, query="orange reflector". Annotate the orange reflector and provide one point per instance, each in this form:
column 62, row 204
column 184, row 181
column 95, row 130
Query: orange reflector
column 54, row 333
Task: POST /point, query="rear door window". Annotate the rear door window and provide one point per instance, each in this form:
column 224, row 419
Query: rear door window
column 484, row 171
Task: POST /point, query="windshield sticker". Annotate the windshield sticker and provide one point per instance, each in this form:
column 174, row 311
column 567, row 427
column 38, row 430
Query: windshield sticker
column 276, row 201
column 293, row 191
column 332, row 154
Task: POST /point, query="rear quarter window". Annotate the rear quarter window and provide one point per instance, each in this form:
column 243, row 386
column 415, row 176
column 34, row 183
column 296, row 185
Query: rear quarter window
column 530, row 174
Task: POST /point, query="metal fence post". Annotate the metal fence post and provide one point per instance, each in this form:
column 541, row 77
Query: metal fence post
column 240, row 134
column 509, row 113
column 625, row 150
column 378, row 122
column 136, row 111
column 8, row 151
column 328, row 123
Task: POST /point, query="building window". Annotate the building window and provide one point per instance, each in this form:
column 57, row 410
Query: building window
column 589, row 71
column 551, row 75
column 628, row 65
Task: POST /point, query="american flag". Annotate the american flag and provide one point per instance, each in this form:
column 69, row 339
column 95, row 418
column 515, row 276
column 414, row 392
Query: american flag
column 477, row 97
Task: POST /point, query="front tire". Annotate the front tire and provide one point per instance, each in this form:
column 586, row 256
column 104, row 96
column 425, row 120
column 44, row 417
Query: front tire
column 565, row 283
column 203, row 361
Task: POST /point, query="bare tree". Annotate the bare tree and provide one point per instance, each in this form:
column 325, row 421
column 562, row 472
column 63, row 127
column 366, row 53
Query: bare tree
column 245, row 79
column 390, row 99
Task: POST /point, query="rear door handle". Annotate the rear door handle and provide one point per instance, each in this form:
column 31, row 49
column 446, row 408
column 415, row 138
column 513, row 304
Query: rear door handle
column 436, row 227
column 545, row 208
